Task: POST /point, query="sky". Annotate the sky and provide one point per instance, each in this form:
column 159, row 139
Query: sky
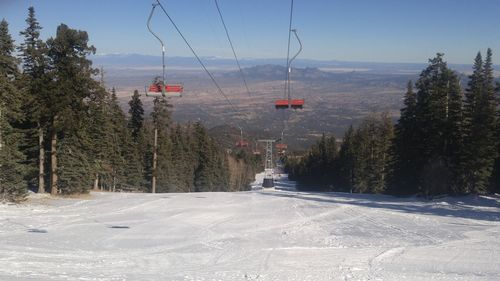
column 347, row 30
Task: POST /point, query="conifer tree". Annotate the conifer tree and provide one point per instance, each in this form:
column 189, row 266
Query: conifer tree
column 136, row 112
column 33, row 52
column 72, row 85
column 455, row 134
column 495, row 180
column 118, row 138
column 12, row 186
column 347, row 158
column 434, row 102
column 479, row 116
column 404, row 175
column 161, row 122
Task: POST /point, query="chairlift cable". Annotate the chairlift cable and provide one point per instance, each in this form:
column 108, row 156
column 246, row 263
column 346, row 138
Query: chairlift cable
column 161, row 86
column 199, row 60
column 161, row 42
column 287, row 81
column 232, row 47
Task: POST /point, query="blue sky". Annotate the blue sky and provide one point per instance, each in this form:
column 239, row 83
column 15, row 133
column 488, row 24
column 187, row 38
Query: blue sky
column 349, row 30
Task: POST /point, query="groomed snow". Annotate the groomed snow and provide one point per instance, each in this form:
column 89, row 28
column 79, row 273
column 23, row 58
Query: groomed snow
column 256, row 235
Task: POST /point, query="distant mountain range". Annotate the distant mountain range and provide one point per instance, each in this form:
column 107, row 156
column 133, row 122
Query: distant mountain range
column 130, row 61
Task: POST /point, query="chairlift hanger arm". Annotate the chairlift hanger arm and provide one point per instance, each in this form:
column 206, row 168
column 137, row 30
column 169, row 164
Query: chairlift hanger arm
column 161, row 42
column 299, row 51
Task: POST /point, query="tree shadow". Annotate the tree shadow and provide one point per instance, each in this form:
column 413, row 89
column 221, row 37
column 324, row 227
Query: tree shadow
column 485, row 208
column 37, row 230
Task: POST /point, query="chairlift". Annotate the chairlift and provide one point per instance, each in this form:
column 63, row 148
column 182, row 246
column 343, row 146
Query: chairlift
column 159, row 87
column 281, row 146
column 293, row 103
column 297, row 103
column 281, row 104
column 241, row 143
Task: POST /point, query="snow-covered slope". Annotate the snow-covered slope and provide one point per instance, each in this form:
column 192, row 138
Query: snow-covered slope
column 258, row 235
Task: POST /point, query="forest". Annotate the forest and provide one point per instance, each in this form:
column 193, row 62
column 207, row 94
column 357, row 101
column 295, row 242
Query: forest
column 446, row 141
column 63, row 132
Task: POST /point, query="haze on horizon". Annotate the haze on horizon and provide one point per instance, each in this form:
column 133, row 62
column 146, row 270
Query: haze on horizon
column 361, row 30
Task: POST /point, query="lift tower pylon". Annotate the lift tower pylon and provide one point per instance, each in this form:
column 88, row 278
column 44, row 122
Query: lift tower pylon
column 268, row 165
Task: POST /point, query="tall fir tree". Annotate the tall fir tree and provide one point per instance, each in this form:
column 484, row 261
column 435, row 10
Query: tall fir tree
column 136, row 112
column 495, row 178
column 479, row 118
column 33, row 52
column 12, row 185
column 73, row 85
column 435, row 99
column 161, row 122
column 455, row 134
column 404, row 176
column 346, row 162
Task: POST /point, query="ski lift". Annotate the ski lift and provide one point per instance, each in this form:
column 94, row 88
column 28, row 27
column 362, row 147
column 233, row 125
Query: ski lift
column 281, row 104
column 293, row 103
column 281, row 146
column 241, row 143
column 256, row 150
column 297, row 103
column 159, row 87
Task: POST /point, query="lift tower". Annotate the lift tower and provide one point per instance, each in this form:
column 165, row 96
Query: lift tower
column 268, row 166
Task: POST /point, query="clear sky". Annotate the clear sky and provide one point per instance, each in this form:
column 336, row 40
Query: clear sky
column 349, row 30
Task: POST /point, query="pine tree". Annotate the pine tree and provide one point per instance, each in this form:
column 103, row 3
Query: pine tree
column 100, row 129
column 72, row 85
column 12, row 185
column 479, row 117
column 347, row 158
column 382, row 155
column 136, row 112
column 161, row 122
column 404, row 149
column 35, row 69
column 432, row 132
column 455, row 134
column 118, row 138
column 495, row 180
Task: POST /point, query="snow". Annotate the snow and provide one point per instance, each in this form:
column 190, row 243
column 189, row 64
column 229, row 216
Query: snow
column 257, row 235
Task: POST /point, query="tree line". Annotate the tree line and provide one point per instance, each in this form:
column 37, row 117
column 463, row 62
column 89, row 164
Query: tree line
column 62, row 132
column 446, row 141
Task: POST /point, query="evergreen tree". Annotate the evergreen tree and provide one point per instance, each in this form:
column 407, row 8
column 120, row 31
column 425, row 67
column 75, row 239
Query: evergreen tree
column 161, row 122
column 455, row 135
column 100, row 130
column 437, row 97
column 404, row 177
column 73, row 85
column 382, row 157
column 479, row 117
column 12, row 186
column 211, row 172
column 37, row 81
column 347, row 158
column 495, row 180
column 118, row 137
column 136, row 112
column 8, row 63
column 371, row 149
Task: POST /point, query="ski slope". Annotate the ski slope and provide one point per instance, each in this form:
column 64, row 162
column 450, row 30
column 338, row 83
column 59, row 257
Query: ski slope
column 256, row 235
